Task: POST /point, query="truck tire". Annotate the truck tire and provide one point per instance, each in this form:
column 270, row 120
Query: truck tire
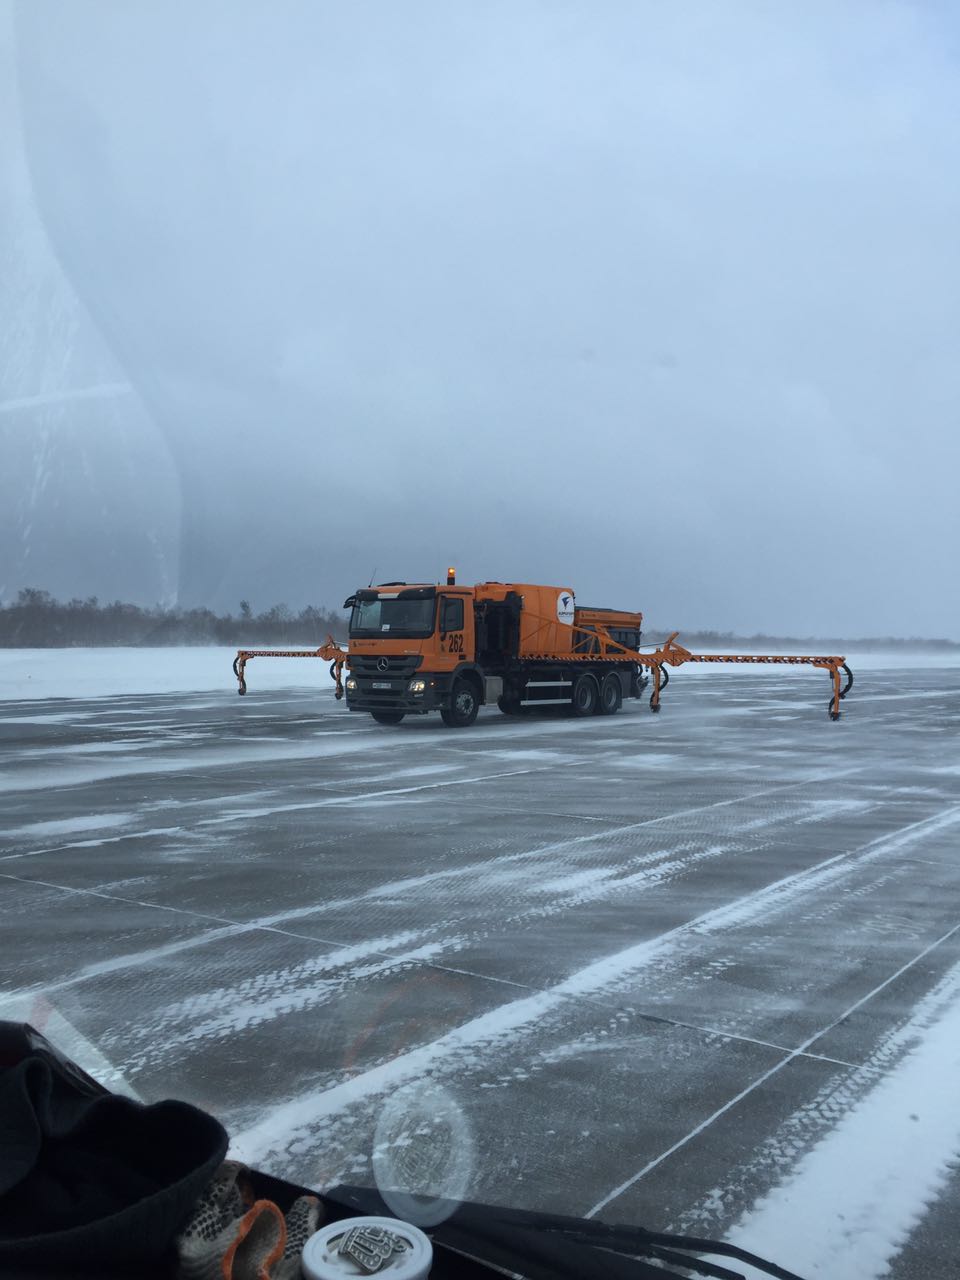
column 510, row 706
column 387, row 717
column 585, row 695
column 464, row 705
column 611, row 695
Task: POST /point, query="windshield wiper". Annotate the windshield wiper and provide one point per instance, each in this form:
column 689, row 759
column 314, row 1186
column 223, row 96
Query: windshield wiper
column 547, row 1246
column 630, row 1243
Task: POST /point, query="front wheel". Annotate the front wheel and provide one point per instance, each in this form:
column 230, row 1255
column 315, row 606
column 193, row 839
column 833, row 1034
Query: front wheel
column 387, row 717
column 464, row 705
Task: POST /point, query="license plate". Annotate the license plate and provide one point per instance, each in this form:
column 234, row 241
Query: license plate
column 381, row 684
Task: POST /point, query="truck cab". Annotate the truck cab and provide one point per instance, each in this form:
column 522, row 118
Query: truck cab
column 412, row 651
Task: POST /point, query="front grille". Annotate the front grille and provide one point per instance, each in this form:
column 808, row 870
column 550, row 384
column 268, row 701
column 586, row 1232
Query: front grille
column 398, row 664
column 378, row 699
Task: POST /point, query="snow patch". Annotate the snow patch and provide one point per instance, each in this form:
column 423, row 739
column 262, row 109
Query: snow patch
column 853, row 1199
column 646, row 760
column 72, row 826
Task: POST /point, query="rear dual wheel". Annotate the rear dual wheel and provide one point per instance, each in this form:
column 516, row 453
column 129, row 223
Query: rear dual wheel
column 611, row 695
column 586, row 695
column 591, row 697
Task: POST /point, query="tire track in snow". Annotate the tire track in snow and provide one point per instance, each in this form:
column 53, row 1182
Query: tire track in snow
column 869, row 1181
column 290, row 1122
column 229, row 1010
column 775, row 1159
column 253, row 1001
column 274, row 921
column 689, row 977
column 762, row 1079
column 430, row 879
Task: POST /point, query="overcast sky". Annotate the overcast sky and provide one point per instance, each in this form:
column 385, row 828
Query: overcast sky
column 659, row 302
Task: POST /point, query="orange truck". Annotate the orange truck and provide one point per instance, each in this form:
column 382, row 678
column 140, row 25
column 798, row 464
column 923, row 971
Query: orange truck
column 419, row 647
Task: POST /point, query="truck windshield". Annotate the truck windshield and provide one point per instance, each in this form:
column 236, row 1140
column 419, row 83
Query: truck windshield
column 393, row 617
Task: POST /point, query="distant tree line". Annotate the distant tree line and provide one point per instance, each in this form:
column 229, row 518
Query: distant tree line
column 35, row 620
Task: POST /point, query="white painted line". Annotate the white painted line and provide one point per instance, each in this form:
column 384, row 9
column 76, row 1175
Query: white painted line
column 766, row 1075
column 93, row 843
column 242, row 815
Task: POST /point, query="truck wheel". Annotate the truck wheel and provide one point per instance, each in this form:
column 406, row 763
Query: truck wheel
column 387, row 717
column 611, row 695
column 585, row 695
column 464, row 705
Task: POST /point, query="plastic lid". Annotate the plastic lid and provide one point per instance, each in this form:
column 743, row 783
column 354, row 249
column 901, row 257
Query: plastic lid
column 367, row 1247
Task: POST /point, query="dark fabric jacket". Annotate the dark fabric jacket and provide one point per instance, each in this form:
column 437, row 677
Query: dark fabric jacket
column 93, row 1182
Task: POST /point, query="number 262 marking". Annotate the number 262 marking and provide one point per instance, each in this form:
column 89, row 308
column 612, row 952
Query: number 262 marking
column 455, row 643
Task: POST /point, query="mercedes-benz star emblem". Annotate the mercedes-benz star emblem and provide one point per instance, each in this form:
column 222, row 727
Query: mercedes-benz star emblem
column 382, row 664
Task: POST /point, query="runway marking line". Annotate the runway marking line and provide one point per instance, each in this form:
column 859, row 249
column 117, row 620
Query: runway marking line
column 766, row 1075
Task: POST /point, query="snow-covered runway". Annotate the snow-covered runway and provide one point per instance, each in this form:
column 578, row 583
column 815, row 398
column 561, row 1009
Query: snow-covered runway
column 699, row 970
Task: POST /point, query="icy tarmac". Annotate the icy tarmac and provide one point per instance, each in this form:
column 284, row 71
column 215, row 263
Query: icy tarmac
column 699, row 971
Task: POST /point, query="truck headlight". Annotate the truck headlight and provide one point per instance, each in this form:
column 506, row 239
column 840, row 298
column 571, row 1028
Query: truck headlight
column 351, row 684
column 416, row 686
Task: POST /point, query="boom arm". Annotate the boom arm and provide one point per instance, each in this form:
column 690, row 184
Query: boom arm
column 330, row 652
column 671, row 654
